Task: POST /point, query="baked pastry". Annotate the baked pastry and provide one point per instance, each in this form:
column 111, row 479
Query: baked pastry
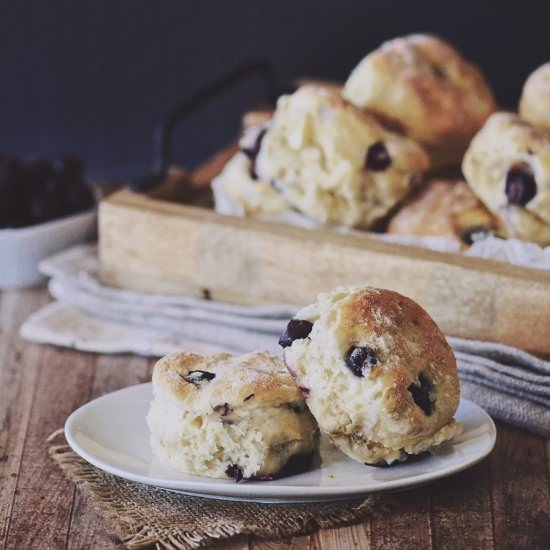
column 376, row 371
column 534, row 105
column 334, row 163
column 422, row 87
column 445, row 208
column 226, row 416
column 508, row 167
column 237, row 189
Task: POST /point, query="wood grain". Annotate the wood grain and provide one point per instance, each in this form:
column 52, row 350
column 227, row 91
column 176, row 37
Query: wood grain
column 520, row 503
column 158, row 246
column 354, row 536
column 504, row 502
column 461, row 510
column 296, row 543
column 406, row 520
column 44, row 496
column 18, row 379
column 88, row 530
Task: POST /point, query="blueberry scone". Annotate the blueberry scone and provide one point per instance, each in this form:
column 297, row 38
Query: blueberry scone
column 445, row 208
column 534, row 105
column 422, row 87
column 226, row 416
column 334, row 163
column 508, row 167
column 377, row 373
column 344, row 170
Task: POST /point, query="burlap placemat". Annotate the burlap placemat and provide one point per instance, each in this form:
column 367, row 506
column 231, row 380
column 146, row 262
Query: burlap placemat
column 145, row 516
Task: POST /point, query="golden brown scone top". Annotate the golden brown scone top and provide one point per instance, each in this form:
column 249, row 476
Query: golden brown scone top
column 444, row 208
column 257, row 378
column 414, row 346
column 534, row 105
column 421, row 86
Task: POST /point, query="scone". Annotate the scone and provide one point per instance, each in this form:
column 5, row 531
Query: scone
column 376, row 371
column 508, row 167
column 238, row 192
column 445, row 208
column 534, row 105
column 422, row 87
column 237, row 189
column 226, row 416
column 334, row 163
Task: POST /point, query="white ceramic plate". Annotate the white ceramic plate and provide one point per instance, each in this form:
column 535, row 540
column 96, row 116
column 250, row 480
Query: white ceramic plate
column 110, row 433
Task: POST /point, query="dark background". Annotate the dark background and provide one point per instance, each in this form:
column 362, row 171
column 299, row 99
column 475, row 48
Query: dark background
column 96, row 78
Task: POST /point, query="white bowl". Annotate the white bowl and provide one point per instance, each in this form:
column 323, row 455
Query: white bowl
column 22, row 249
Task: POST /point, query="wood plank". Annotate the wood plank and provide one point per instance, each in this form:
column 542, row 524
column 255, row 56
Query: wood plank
column 88, row 529
column 18, row 379
column 157, row 246
column 343, row 538
column 295, row 543
column 44, row 498
column 406, row 523
column 461, row 515
column 519, row 490
column 237, row 543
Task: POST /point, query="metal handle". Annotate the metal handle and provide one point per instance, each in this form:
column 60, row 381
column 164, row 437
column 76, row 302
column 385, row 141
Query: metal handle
column 164, row 134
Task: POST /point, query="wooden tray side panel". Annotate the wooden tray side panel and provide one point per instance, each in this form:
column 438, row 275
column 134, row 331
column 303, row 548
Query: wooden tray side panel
column 158, row 247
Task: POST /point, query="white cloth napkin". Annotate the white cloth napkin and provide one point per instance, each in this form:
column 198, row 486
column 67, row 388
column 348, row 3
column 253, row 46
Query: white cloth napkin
column 512, row 385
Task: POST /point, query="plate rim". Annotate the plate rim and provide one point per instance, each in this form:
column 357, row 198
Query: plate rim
column 204, row 486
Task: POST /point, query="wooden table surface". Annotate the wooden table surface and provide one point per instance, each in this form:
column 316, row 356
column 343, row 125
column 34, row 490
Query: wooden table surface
column 503, row 502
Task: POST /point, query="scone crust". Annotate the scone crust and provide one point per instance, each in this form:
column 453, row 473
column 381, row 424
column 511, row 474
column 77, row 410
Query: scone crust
column 534, row 105
column 506, row 141
column 422, row 87
column 225, row 416
column 444, row 208
column 375, row 418
column 236, row 377
column 314, row 154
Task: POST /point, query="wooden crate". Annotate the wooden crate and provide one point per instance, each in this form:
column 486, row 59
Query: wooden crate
column 153, row 245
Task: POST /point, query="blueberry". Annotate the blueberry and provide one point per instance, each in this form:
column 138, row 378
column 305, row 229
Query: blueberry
column 40, row 170
column 297, row 408
column 72, row 168
column 521, row 186
column 474, row 233
column 78, row 198
column 12, row 172
column 360, row 359
column 55, row 184
column 297, row 329
column 377, row 158
column 224, row 409
column 44, row 206
column 196, row 377
column 252, row 153
column 438, row 72
column 234, row 472
column 421, row 394
column 296, row 464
